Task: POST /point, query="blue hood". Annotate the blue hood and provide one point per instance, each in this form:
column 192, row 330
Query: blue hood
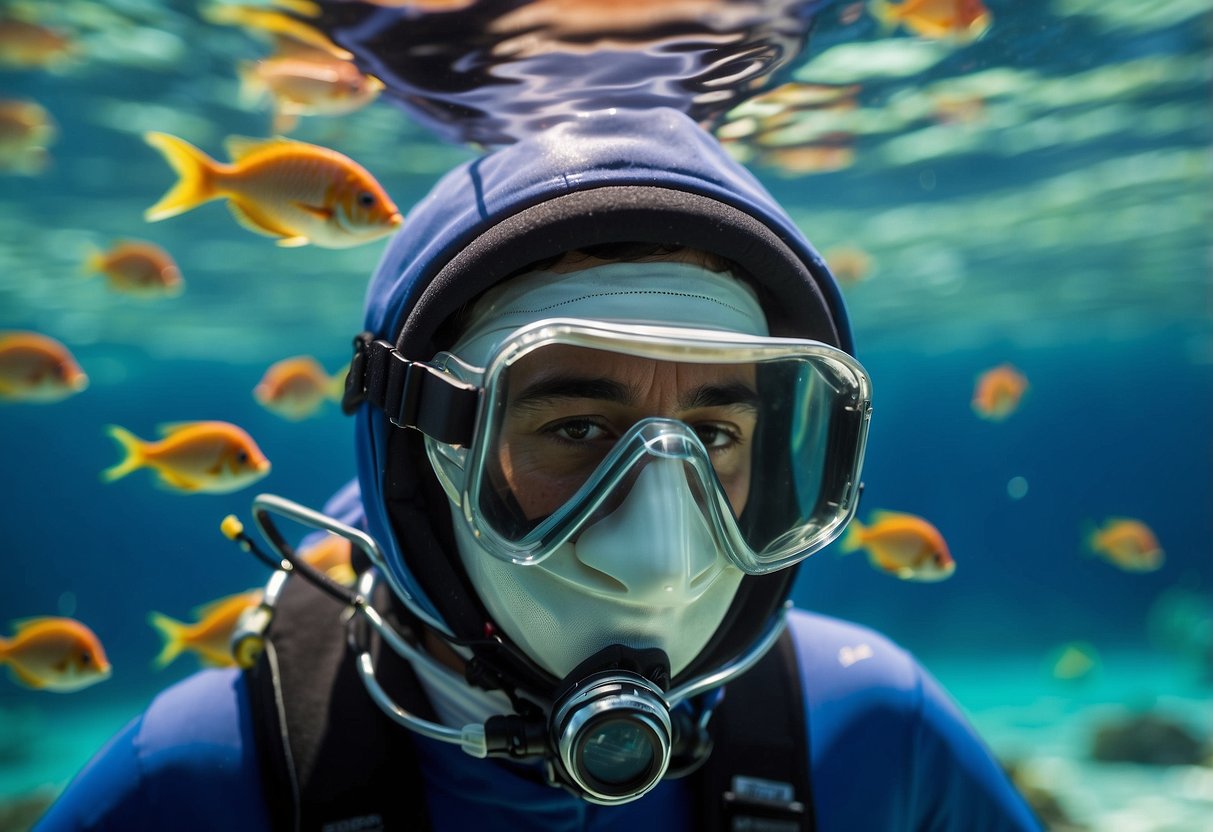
column 652, row 176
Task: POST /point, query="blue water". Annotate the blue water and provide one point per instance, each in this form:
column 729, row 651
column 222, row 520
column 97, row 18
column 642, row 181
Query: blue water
column 1066, row 230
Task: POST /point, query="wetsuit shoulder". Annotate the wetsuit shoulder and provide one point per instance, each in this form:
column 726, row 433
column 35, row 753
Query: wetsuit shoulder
column 889, row 748
column 186, row 763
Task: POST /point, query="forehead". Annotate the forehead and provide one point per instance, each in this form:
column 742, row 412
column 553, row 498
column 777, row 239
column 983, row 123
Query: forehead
column 565, row 361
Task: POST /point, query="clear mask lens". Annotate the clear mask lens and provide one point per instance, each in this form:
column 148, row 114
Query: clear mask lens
column 769, row 434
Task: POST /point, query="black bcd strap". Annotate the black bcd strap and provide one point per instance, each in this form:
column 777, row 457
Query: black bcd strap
column 332, row 760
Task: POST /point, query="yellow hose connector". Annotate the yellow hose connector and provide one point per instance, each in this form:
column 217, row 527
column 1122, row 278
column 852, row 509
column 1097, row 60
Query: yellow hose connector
column 231, row 527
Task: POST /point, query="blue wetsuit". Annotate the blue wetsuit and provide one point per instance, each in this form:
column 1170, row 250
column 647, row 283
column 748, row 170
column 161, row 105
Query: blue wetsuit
column 888, row 750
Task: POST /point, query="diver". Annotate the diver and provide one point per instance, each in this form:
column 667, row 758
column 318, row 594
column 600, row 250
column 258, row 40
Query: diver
column 606, row 403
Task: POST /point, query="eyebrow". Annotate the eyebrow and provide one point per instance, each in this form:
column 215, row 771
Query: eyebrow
column 732, row 394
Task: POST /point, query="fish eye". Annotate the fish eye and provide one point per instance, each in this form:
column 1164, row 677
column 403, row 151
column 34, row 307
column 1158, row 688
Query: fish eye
column 366, row 199
column 86, row 658
column 242, row 457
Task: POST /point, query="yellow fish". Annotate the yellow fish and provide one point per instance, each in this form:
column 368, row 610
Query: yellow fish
column 275, row 24
column 998, row 392
column 1128, row 544
column 961, row 20
column 301, row 193
column 904, row 545
column 210, row 635
column 295, row 388
column 202, row 457
column 26, row 130
column 331, row 555
column 303, row 86
column 137, row 267
column 55, row 654
column 37, row 368
column 30, row 45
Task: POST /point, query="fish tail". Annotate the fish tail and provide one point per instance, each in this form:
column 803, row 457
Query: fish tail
column 336, row 387
column 853, row 539
column 94, row 261
column 174, row 633
column 885, row 14
column 196, row 172
column 1090, row 537
column 132, row 446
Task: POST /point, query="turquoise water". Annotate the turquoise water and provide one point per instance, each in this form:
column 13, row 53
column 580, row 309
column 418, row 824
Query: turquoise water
column 1063, row 224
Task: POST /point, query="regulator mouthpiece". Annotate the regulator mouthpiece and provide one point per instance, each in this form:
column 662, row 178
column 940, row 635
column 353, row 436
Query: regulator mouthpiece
column 613, row 735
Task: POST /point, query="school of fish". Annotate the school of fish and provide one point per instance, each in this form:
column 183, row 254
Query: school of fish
column 306, row 194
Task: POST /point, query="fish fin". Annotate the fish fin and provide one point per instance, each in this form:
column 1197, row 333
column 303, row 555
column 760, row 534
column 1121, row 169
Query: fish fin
column 93, row 262
column 284, row 120
column 196, row 172
column 885, row 14
column 174, row 633
column 853, row 539
column 253, row 596
column 254, row 219
column 317, row 211
column 167, row 429
column 174, row 481
column 883, row 514
column 25, row 677
column 335, row 388
column 252, row 88
column 132, row 446
column 293, row 242
column 240, row 148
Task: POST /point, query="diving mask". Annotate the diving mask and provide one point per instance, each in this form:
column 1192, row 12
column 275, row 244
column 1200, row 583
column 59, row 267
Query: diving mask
column 762, row 437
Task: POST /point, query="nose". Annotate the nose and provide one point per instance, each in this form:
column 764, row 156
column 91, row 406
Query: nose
column 656, row 544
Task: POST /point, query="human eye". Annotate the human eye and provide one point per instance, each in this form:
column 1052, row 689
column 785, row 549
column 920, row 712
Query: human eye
column 717, row 437
column 576, row 431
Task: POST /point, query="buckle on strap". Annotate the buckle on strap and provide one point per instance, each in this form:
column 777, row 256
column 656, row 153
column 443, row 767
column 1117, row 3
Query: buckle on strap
column 411, row 393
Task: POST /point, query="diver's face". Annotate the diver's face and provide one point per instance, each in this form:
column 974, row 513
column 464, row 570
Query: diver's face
column 567, row 406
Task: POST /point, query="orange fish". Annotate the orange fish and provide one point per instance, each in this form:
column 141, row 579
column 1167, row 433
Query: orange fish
column 29, row 45
column 998, row 392
column 137, row 267
column 294, row 388
column 36, row 368
column 210, row 635
column 808, row 158
column 1128, row 544
column 204, row 457
column 26, row 129
column 331, row 555
column 307, row 86
column 961, row 20
column 56, row 654
column 301, row 193
column 849, row 264
column 904, row 545
column 271, row 22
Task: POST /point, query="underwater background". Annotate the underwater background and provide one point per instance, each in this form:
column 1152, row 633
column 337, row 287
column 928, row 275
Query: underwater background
column 1041, row 195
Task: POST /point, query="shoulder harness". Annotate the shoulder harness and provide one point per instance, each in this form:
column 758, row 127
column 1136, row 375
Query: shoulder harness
column 331, row 760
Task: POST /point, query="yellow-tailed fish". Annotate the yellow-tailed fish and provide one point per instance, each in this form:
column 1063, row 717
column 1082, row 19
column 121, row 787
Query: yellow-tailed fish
column 295, row 388
column 998, row 391
column 37, row 368
column 1126, row 543
column 903, row 545
column 301, row 86
column 209, row 636
column 961, row 20
column 55, row 654
column 26, row 130
column 301, row 193
column 331, row 555
column 137, row 267
column 193, row 457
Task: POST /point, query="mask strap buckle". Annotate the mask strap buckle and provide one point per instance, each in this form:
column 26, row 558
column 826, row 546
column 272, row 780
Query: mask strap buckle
column 412, row 394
